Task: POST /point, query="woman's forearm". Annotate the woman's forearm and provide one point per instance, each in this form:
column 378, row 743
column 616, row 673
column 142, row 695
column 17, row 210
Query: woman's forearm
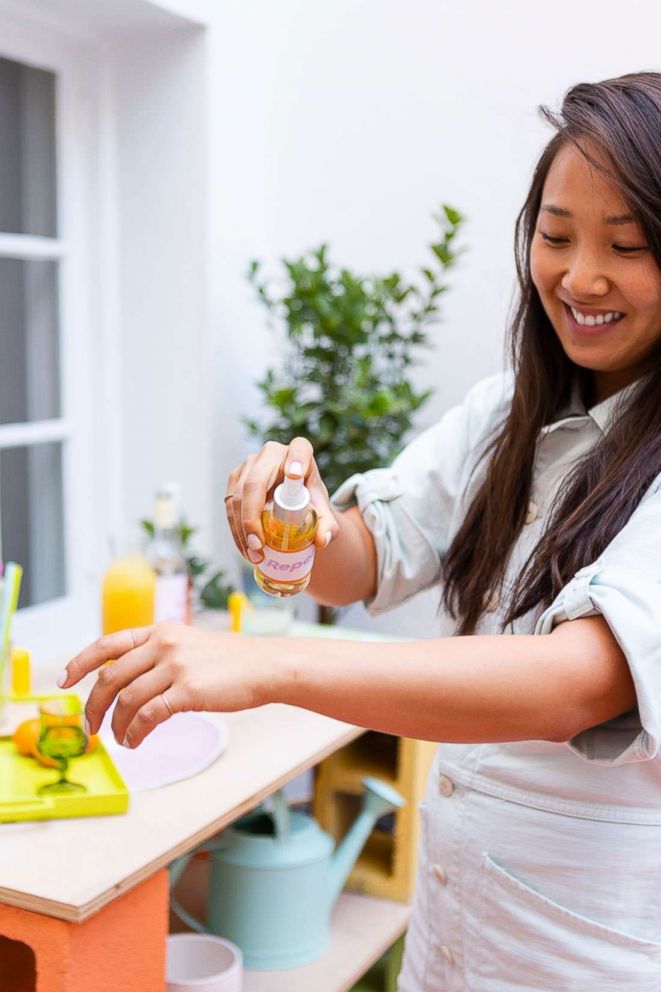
column 345, row 571
column 462, row 689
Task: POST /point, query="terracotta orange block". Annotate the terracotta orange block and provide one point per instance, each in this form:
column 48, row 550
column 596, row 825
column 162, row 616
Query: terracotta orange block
column 120, row 947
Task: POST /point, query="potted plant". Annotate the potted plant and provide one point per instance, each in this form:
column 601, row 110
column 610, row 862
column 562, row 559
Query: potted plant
column 349, row 343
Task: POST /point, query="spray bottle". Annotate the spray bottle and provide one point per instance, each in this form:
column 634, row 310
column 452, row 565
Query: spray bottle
column 290, row 524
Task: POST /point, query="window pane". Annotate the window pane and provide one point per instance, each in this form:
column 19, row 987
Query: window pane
column 32, row 518
column 27, row 139
column 29, row 341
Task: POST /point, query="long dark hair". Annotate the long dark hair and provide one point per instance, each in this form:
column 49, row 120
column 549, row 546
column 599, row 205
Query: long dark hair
column 620, row 119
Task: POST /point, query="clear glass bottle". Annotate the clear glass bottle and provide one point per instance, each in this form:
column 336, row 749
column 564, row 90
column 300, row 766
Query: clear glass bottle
column 290, row 525
column 166, row 556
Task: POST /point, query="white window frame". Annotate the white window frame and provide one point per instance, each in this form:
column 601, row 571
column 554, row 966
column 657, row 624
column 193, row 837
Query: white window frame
column 57, row 625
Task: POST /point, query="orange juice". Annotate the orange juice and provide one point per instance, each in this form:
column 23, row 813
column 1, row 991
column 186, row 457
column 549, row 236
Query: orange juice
column 128, row 594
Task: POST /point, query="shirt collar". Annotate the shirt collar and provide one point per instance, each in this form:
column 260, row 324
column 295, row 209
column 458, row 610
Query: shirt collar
column 601, row 413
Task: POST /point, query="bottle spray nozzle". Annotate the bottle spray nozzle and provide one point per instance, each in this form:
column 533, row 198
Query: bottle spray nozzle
column 291, row 494
column 292, row 487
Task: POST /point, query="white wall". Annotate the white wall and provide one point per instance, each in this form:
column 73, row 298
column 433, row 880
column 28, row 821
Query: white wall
column 349, row 122
column 157, row 82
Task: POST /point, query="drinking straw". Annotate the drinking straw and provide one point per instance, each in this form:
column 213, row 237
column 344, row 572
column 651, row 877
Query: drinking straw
column 13, row 574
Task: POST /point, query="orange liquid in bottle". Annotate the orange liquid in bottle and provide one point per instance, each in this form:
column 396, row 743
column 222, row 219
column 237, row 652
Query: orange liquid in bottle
column 287, row 571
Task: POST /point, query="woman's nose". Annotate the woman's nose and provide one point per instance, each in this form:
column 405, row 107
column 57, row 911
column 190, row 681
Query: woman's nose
column 585, row 277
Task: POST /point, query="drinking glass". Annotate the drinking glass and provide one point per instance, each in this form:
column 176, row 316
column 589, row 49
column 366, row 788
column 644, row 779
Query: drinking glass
column 62, row 737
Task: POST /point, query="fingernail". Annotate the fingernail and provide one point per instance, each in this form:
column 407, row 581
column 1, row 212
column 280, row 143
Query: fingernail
column 294, row 468
column 254, row 542
column 255, row 556
column 126, row 742
column 62, row 678
column 86, row 726
column 328, row 538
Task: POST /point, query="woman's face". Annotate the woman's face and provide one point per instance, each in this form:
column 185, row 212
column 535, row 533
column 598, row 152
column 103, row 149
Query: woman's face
column 597, row 279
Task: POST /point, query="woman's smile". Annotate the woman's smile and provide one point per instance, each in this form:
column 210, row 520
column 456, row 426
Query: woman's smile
column 589, row 322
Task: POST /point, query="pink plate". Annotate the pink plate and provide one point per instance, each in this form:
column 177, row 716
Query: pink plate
column 181, row 747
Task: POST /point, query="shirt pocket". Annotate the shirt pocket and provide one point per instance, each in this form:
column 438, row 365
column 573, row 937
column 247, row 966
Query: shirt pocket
column 529, row 942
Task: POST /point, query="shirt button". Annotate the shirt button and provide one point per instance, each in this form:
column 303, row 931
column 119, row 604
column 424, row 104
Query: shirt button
column 447, row 954
column 445, row 786
column 440, row 874
column 533, row 511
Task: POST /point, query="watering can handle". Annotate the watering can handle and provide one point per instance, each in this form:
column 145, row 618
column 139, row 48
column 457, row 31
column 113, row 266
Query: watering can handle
column 186, row 917
column 176, row 869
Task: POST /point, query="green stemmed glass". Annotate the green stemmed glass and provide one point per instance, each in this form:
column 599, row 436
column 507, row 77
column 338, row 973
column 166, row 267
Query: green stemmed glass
column 61, row 738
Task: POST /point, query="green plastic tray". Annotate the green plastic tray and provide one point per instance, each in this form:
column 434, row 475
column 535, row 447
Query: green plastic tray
column 21, row 777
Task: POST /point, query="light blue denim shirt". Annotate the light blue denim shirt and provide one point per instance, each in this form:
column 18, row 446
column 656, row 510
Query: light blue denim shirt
column 414, row 508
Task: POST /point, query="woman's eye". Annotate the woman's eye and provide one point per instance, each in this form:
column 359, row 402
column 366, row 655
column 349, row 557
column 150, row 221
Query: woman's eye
column 627, row 249
column 552, row 240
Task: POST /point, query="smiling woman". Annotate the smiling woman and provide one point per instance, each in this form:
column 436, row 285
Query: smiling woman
column 538, row 503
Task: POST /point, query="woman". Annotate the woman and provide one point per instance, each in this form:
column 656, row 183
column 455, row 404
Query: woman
column 538, row 505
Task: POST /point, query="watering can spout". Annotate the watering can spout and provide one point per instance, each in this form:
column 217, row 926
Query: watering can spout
column 379, row 799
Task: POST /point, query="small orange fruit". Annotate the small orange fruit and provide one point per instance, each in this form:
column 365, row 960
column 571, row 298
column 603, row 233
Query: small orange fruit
column 26, row 735
column 26, row 739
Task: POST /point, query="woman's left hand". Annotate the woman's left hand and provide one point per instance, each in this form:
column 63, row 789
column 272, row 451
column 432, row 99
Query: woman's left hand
column 166, row 669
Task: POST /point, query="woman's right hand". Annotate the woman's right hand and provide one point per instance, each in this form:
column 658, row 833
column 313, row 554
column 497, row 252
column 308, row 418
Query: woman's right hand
column 250, row 486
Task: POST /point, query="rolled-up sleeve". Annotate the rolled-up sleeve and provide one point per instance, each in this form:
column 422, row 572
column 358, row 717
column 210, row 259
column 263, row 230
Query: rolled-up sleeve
column 409, row 507
column 624, row 586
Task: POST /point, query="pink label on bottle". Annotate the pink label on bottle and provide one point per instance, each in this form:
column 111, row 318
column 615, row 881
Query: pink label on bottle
column 171, row 598
column 286, row 565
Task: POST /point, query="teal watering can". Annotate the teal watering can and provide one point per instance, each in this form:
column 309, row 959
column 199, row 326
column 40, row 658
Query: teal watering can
column 275, row 877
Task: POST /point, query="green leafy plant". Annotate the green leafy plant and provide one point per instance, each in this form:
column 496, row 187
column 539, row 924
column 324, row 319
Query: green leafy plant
column 350, row 341
column 212, row 590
